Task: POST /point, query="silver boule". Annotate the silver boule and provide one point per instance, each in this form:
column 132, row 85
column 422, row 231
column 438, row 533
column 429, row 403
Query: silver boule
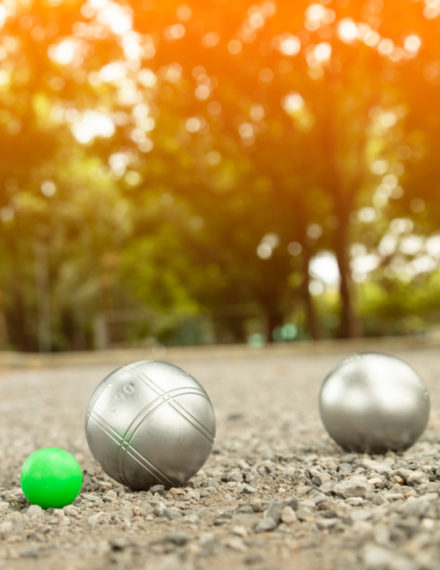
column 150, row 422
column 373, row 403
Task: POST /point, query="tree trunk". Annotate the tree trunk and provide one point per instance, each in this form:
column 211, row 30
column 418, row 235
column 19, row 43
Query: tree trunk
column 311, row 317
column 349, row 324
column 43, row 297
column 4, row 336
column 342, row 190
column 273, row 319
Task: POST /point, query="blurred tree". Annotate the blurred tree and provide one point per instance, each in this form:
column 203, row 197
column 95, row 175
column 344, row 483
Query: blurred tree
column 192, row 155
column 333, row 69
column 44, row 88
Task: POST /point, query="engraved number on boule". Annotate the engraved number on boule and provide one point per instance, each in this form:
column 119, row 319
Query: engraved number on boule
column 120, row 396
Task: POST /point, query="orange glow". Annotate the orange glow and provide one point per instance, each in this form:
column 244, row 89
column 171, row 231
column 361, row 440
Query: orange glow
column 224, row 142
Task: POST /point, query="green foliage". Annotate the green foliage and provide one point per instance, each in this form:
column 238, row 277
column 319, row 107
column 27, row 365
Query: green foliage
column 168, row 173
column 400, row 307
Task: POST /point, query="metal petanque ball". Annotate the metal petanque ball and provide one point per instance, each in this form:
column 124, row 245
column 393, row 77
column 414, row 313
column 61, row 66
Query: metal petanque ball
column 150, row 422
column 373, row 403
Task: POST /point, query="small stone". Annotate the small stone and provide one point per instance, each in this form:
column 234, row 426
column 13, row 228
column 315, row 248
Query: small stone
column 237, row 544
column 6, row 527
column 72, row 511
column 429, row 524
column 246, row 508
column 191, row 519
column 417, row 478
column 361, row 515
column 266, row 525
column 236, row 476
column 327, row 487
column 362, row 528
column 29, row 554
column 170, row 562
column 316, row 480
column 273, row 511
column 159, row 489
column 324, row 524
column 249, row 490
column 355, row 501
column 160, row 509
column 176, row 491
column 239, row 531
column 375, row 481
column 292, row 502
column 35, row 511
column 382, row 534
column 193, row 494
column 93, row 520
column 376, row 465
column 304, row 515
column 253, row 558
column 379, row 558
column 177, row 538
column 324, row 505
column 353, row 487
column 14, row 538
column 288, row 515
column 110, row 496
column 172, row 513
column 118, row 544
column 207, row 541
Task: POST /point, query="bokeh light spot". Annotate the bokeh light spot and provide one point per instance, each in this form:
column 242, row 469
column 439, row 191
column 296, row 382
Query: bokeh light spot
column 348, row 31
column 264, row 251
column 184, row 12
column 289, row 44
column 193, row 124
column 48, row 188
column 234, row 47
column 412, row 44
column 292, row 103
column 93, row 124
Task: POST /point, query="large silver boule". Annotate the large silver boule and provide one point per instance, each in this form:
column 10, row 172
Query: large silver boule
column 374, row 402
column 148, row 423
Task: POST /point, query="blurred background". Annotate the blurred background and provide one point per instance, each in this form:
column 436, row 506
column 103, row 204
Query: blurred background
column 208, row 171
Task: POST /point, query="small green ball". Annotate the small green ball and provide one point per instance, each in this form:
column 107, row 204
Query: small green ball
column 51, row 477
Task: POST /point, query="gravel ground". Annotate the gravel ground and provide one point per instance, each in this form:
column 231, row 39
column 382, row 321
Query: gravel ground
column 276, row 493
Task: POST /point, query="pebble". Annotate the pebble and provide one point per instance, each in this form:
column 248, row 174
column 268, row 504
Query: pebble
column 253, row 558
column 93, row 520
column 353, row 487
column 110, row 496
column 172, row 513
column 379, row 558
column 273, row 511
column 288, row 515
column 35, row 511
column 237, row 544
column 177, row 538
column 266, row 525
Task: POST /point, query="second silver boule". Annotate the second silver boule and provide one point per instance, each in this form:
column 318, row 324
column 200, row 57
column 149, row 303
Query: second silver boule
column 150, row 422
column 374, row 402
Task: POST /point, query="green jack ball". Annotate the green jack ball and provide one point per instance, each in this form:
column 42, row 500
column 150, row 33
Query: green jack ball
column 51, row 478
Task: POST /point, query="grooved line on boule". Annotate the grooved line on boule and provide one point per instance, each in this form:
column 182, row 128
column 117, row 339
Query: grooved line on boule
column 148, row 466
column 155, row 404
column 149, row 409
column 179, row 408
column 140, row 459
column 109, row 431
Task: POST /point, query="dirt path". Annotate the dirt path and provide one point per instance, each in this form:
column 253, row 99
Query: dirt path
column 266, row 499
